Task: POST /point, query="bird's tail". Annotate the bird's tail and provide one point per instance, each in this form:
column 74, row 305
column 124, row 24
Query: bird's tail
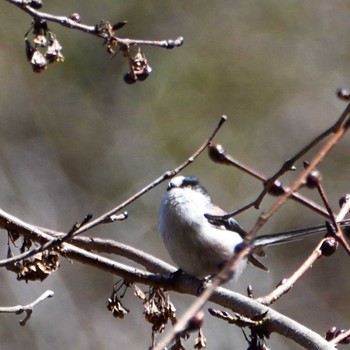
column 292, row 235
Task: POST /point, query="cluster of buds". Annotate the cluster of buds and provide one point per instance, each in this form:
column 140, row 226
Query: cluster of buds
column 43, row 38
column 139, row 67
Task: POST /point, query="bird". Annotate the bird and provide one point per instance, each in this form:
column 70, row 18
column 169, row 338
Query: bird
column 200, row 246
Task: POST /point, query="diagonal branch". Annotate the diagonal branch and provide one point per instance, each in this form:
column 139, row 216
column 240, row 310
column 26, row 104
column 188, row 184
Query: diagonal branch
column 334, row 129
column 105, row 218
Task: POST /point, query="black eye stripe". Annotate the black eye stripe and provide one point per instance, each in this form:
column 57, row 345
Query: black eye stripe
column 190, row 181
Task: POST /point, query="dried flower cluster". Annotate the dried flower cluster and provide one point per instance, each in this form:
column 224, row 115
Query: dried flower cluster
column 114, row 304
column 36, row 268
column 139, row 69
column 43, row 38
column 158, row 309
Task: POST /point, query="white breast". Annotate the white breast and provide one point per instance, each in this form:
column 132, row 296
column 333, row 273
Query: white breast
column 196, row 246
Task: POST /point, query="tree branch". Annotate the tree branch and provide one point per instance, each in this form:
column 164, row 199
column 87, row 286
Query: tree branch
column 183, row 284
column 28, row 309
column 64, row 21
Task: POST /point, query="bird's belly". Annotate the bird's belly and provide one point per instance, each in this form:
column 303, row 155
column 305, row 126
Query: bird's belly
column 196, row 254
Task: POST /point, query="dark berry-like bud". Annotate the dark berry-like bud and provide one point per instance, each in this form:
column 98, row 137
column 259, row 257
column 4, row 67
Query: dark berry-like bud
column 330, row 334
column 343, row 94
column 129, row 79
column 36, row 4
column 144, row 74
column 329, row 246
column 195, row 322
column 313, row 179
column 217, row 153
column 276, row 189
column 75, row 17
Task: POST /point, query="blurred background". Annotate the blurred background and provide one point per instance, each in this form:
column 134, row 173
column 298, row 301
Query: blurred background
column 76, row 139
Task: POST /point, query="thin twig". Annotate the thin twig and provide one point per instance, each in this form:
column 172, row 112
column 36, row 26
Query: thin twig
column 340, row 337
column 105, row 218
column 218, row 154
column 338, row 134
column 54, row 242
column 166, row 176
column 338, row 231
column 290, row 162
column 287, row 284
column 28, row 309
column 71, row 24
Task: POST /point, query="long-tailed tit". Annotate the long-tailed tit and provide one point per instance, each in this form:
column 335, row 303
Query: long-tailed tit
column 198, row 245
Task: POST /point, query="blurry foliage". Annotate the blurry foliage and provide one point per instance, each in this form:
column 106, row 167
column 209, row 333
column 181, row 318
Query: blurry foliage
column 77, row 139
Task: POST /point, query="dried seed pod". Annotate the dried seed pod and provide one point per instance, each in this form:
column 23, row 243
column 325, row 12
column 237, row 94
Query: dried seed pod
column 38, row 61
column 53, row 53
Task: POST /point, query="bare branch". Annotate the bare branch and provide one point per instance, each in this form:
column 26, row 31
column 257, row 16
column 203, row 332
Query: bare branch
column 149, row 262
column 64, row 21
column 338, row 129
column 183, row 284
column 28, row 309
column 342, row 336
column 105, row 218
column 318, row 252
column 218, row 154
column 335, row 129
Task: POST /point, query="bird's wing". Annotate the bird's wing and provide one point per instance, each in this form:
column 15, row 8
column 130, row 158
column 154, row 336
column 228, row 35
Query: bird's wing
column 229, row 224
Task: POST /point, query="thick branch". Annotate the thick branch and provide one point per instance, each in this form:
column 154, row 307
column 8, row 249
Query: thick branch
column 183, row 284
